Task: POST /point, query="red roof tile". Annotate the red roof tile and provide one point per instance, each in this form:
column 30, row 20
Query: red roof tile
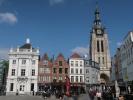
column 75, row 55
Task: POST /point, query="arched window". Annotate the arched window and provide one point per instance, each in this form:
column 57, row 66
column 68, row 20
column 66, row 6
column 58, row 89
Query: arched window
column 102, row 47
column 98, row 49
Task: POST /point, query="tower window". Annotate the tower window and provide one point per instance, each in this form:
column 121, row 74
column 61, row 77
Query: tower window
column 99, row 60
column 98, row 49
column 102, row 47
column 103, row 60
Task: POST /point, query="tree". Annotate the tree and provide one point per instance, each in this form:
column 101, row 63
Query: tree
column 5, row 67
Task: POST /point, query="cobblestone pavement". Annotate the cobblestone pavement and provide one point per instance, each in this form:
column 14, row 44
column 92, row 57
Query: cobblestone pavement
column 24, row 97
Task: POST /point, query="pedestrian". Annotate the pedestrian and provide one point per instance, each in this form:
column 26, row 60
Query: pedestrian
column 33, row 92
column 75, row 97
column 92, row 94
column 121, row 97
column 17, row 92
column 98, row 95
column 61, row 98
column 65, row 97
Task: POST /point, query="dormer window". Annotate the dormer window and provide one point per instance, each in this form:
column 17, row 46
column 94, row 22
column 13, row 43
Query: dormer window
column 45, row 62
column 60, row 63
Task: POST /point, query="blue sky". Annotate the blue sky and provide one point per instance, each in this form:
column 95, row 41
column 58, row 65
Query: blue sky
column 63, row 26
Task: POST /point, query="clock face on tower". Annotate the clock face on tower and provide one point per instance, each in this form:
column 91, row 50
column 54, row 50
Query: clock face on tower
column 98, row 31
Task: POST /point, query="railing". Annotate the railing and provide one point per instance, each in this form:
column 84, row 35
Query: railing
column 24, row 50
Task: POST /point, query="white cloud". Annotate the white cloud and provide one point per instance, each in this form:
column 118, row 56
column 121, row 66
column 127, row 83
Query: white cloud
column 53, row 2
column 119, row 44
column 81, row 50
column 4, row 53
column 8, row 18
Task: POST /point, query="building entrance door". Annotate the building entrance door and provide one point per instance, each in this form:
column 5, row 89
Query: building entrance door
column 21, row 89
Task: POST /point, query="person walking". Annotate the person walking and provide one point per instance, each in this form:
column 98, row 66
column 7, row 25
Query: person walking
column 65, row 97
column 75, row 97
column 92, row 94
column 98, row 95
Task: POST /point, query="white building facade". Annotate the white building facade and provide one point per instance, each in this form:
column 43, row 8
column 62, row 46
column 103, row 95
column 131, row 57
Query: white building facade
column 23, row 70
column 76, row 74
column 92, row 72
column 127, row 57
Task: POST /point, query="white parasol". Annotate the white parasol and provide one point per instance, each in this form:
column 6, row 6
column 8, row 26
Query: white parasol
column 117, row 89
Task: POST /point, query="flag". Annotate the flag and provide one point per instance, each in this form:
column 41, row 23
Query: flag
column 67, row 86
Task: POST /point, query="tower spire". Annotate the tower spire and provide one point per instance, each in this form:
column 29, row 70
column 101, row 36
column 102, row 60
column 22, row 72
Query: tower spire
column 97, row 20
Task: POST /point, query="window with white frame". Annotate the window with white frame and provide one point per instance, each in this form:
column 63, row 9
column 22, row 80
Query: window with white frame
column 81, row 64
column 14, row 62
column 72, row 63
column 72, row 78
column 72, row 70
column 22, row 72
column 76, row 78
column 76, row 63
column 13, row 72
column 33, row 62
column 87, row 70
column 76, row 71
column 81, row 78
column 80, row 71
column 23, row 61
column 33, row 72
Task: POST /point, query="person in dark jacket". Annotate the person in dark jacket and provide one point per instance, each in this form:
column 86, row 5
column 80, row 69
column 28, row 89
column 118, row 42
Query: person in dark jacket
column 75, row 97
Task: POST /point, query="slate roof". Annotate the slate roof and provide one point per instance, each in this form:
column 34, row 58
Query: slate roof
column 26, row 46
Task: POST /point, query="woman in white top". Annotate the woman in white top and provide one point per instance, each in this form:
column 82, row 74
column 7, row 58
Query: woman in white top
column 98, row 95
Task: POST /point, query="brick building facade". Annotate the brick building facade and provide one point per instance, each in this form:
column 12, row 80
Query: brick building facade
column 44, row 72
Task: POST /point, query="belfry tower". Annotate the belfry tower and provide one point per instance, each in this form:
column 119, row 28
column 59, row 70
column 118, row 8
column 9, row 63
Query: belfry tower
column 99, row 47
